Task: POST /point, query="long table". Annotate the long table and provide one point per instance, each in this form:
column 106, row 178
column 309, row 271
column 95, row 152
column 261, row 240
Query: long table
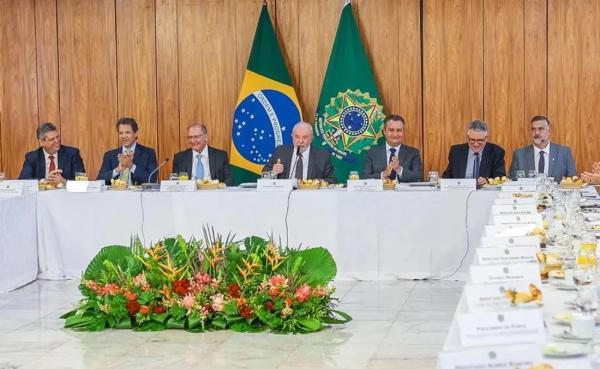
column 18, row 242
column 373, row 236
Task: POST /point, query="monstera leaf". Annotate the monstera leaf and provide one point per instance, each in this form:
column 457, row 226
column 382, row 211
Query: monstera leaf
column 117, row 256
column 316, row 264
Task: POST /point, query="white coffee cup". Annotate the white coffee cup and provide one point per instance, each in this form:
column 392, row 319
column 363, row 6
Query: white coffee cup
column 582, row 326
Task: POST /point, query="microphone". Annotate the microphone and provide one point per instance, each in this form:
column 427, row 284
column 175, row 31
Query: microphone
column 150, row 186
column 292, row 172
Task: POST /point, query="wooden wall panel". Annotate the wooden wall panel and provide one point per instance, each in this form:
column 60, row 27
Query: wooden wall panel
column 18, row 83
column 453, row 75
column 504, row 80
column 574, row 76
column 88, row 78
column 136, row 66
column 536, row 60
column 288, row 32
column 47, row 61
column 167, row 82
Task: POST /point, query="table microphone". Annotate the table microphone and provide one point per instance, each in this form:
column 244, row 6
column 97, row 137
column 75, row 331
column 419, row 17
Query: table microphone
column 149, row 186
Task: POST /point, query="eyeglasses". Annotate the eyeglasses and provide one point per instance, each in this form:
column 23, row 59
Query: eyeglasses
column 477, row 140
column 195, row 137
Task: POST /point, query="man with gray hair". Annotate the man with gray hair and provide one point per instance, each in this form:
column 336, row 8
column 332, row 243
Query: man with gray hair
column 51, row 161
column 300, row 160
column 477, row 158
column 552, row 159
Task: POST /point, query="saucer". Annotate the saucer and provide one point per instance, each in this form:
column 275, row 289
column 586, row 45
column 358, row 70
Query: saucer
column 566, row 335
column 564, row 349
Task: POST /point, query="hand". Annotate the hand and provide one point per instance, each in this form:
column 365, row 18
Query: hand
column 593, row 178
column 596, row 167
column 55, row 177
column 481, row 181
column 394, row 164
column 278, row 167
column 125, row 161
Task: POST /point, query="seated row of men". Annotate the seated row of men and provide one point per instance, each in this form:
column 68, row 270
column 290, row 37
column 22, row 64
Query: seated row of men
column 135, row 163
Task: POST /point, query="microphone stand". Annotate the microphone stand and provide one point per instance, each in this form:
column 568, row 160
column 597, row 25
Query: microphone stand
column 292, row 172
column 149, row 186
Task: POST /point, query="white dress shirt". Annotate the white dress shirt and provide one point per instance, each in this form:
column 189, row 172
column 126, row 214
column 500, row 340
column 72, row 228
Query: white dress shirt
column 203, row 157
column 396, row 154
column 305, row 156
column 47, row 157
column 536, row 158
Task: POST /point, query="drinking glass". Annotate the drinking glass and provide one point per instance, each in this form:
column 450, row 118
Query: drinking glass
column 433, row 176
column 532, row 173
column 183, row 176
column 268, row 175
column 520, row 174
column 81, row 176
column 353, row 175
column 173, row 176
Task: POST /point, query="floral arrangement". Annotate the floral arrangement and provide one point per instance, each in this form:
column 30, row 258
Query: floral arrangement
column 247, row 286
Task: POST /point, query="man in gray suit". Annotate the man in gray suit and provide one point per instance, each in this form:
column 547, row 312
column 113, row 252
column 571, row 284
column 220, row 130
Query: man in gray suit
column 393, row 160
column 554, row 160
column 301, row 160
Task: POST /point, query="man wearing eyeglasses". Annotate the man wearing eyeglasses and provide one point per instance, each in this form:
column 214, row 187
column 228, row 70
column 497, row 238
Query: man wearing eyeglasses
column 554, row 160
column 52, row 161
column 201, row 161
column 477, row 158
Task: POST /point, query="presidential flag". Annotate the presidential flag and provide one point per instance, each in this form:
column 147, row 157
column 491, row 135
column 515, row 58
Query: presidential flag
column 349, row 117
column 267, row 107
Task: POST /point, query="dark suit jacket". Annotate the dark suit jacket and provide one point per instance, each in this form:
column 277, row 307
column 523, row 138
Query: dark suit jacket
column 217, row 161
column 144, row 159
column 319, row 163
column 491, row 166
column 561, row 161
column 409, row 158
column 69, row 160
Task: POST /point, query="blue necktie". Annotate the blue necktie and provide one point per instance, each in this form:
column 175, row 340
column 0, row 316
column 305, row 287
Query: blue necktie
column 393, row 174
column 199, row 168
column 476, row 166
column 541, row 163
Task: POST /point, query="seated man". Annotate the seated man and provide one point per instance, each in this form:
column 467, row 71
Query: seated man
column 477, row 158
column 301, row 160
column 393, row 160
column 543, row 156
column 51, row 160
column 132, row 162
column 201, row 160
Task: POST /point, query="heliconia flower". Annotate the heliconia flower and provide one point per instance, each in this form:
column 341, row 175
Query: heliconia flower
column 278, row 281
column 303, row 293
column 112, row 289
column 188, row 301
column 144, row 310
column 129, row 295
column 217, row 302
column 203, row 278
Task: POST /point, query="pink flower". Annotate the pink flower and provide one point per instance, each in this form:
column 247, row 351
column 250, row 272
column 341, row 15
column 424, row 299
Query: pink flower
column 217, row 302
column 320, row 291
column 278, row 281
column 188, row 301
column 203, row 278
column 140, row 281
column 112, row 289
column 303, row 293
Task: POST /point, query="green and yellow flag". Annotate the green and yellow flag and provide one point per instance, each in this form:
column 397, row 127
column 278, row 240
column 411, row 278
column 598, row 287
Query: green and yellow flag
column 349, row 118
column 267, row 107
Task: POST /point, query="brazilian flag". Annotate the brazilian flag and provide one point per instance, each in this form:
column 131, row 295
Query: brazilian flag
column 349, row 118
column 267, row 107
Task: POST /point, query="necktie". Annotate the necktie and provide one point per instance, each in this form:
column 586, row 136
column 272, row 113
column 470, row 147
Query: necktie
column 299, row 167
column 541, row 163
column 476, row 166
column 199, row 167
column 393, row 174
column 52, row 164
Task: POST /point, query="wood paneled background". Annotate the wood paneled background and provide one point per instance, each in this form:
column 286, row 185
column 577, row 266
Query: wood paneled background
column 439, row 63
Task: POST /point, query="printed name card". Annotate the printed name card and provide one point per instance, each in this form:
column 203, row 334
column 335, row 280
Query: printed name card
column 502, row 357
column 507, row 255
column 510, row 241
column 515, row 201
column 177, row 186
column 498, row 328
column 457, row 184
column 29, row 185
column 502, row 274
column 525, row 181
column 11, row 189
column 521, row 209
column 517, row 219
column 274, row 185
column 84, row 186
column 509, row 187
column 509, row 230
column 367, row 185
column 489, row 298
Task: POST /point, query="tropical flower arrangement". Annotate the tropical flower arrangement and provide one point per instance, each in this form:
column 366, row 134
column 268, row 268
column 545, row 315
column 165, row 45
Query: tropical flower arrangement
column 212, row 284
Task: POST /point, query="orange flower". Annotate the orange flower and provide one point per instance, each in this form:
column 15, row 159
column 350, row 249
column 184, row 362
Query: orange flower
column 144, row 310
column 130, row 296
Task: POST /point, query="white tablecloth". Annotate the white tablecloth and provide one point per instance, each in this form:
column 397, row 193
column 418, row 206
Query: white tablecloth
column 18, row 242
column 383, row 235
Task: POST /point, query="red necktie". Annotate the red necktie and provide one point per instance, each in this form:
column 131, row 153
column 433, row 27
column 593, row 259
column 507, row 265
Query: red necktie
column 52, row 164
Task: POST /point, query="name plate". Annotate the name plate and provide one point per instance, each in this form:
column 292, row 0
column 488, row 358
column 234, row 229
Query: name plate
column 517, row 219
column 457, row 184
column 519, row 188
column 274, row 185
column 509, row 230
column 502, row 357
column 533, row 241
column 525, row 181
column 518, row 195
column 506, row 327
column 29, row 185
column 503, row 274
column 11, row 189
column 515, row 201
column 367, row 185
column 487, row 298
column 507, row 255
column 84, row 186
column 177, row 186
column 521, row 209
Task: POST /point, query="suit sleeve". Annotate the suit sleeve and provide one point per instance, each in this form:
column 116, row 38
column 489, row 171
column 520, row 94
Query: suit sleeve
column 177, row 167
column 272, row 161
column 368, row 168
column 76, row 164
column 28, row 170
column 143, row 171
column 226, row 172
column 514, row 166
column 571, row 169
column 328, row 172
column 105, row 172
column 448, row 172
column 411, row 171
column 499, row 166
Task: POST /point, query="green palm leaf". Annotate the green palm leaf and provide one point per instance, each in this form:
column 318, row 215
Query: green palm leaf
column 115, row 255
column 316, row 265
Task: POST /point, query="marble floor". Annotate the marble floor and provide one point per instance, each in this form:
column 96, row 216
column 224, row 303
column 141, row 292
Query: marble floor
column 397, row 324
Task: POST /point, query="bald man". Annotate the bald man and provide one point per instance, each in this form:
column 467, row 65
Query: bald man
column 301, row 160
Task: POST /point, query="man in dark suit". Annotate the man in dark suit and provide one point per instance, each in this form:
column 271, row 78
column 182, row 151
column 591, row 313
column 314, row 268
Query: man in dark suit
column 477, row 158
column 52, row 161
column 301, row 160
column 132, row 162
column 554, row 160
column 393, row 160
column 200, row 160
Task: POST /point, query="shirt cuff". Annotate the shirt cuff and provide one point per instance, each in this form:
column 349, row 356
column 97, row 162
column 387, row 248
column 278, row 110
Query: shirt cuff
column 133, row 169
column 399, row 174
column 115, row 173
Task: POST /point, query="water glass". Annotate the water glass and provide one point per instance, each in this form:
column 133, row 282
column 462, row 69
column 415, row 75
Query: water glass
column 532, row 173
column 183, row 176
column 81, row 176
column 353, row 175
column 173, row 176
column 433, row 176
column 268, row 175
column 520, row 174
